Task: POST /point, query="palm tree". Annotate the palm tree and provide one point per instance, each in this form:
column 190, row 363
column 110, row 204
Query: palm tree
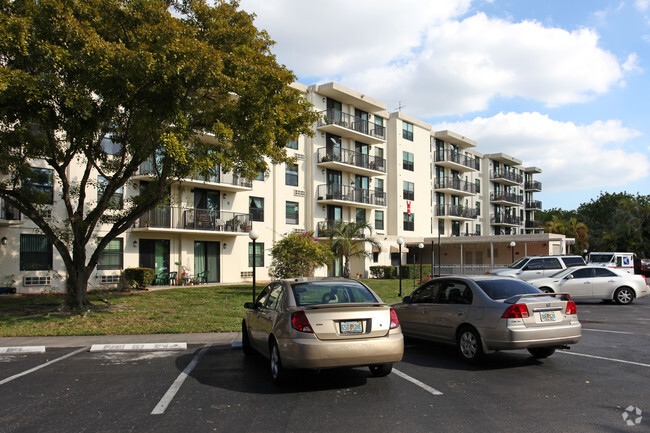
column 348, row 240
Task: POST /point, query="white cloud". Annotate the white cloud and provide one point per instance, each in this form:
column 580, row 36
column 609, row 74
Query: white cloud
column 430, row 57
column 572, row 157
column 632, row 64
column 642, row 5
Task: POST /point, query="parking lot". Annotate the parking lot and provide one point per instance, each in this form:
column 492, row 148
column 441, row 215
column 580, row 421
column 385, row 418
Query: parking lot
column 601, row 384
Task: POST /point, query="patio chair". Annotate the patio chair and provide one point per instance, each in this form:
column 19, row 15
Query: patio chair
column 162, row 278
column 172, row 278
column 202, row 277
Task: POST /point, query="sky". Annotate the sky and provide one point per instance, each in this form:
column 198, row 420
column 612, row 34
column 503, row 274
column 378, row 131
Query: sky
column 559, row 84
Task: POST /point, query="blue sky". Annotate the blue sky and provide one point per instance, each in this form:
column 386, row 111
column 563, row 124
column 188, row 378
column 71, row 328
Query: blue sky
column 561, row 85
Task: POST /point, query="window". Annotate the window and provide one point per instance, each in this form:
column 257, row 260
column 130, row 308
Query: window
column 408, row 190
column 409, row 221
column 379, row 185
column 292, row 144
column 379, row 220
column 407, row 161
column 109, row 146
column 375, row 257
column 407, row 130
column 112, row 256
column 426, row 294
column 35, row 253
column 361, row 215
column 478, row 230
column 39, row 185
column 478, row 186
column 274, row 298
column 441, row 226
column 116, row 202
column 291, row 174
column 260, row 176
column 478, row 208
column 258, row 254
column 256, row 208
column 292, row 212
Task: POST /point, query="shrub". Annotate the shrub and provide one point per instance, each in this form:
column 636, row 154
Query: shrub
column 139, row 278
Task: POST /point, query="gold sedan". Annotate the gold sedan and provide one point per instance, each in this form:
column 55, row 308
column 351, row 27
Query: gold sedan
column 318, row 323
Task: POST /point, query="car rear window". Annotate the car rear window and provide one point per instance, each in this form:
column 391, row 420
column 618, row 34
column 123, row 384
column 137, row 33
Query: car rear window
column 331, row 292
column 573, row 261
column 503, row 289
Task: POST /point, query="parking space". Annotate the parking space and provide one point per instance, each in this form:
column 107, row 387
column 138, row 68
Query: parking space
column 215, row 387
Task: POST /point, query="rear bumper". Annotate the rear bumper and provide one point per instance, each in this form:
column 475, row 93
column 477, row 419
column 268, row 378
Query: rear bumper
column 315, row 353
column 523, row 338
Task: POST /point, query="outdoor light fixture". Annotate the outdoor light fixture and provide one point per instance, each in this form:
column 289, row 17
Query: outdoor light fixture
column 135, row 244
column 4, row 240
column 225, row 245
column 512, row 247
column 400, row 242
column 254, row 234
column 420, row 246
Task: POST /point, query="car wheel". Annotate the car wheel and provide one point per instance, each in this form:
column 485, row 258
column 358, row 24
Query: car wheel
column 469, row 344
column 277, row 371
column 381, row 370
column 541, row 352
column 624, row 295
column 546, row 290
column 245, row 341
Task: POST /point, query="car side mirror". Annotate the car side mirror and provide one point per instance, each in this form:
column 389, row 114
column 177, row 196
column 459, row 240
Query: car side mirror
column 569, row 277
column 525, row 268
column 249, row 305
column 406, row 299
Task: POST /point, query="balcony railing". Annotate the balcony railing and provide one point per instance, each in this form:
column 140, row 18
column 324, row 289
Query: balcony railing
column 456, row 211
column 535, row 204
column 509, row 197
column 350, row 157
column 532, row 224
column 455, row 183
column 533, row 185
column 506, row 175
column 351, row 194
column 505, row 219
column 195, row 219
column 456, row 157
column 147, row 168
column 337, row 117
column 8, row 212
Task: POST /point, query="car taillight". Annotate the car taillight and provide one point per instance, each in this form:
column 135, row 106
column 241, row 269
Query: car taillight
column 571, row 308
column 299, row 322
column 394, row 321
column 516, row 311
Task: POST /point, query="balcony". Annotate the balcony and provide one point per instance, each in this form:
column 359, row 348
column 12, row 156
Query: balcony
column 9, row 215
column 534, row 205
column 532, row 224
column 204, row 220
column 456, row 160
column 506, row 198
column 505, row 220
column 346, row 125
column 220, row 180
column 455, row 185
column 451, row 211
column 324, row 229
column 533, row 186
column 350, row 161
column 346, row 195
column 506, row 177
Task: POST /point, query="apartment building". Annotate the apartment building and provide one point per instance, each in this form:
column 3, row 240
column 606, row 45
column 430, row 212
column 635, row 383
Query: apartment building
column 361, row 164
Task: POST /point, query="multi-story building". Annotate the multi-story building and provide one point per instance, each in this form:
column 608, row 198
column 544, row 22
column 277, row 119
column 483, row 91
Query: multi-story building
column 361, row 164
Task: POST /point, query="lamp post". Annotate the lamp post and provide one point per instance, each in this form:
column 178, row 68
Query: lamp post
column 420, row 246
column 512, row 248
column 584, row 254
column 400, row 242
column 254, row 234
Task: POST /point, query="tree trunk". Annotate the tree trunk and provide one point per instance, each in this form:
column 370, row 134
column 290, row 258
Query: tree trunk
column 346, row 268
column 77, row 288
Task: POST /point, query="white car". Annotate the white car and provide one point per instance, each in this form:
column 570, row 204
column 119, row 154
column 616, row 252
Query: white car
column 595, row 282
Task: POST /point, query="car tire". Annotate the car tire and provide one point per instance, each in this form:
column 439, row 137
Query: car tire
column 541, row 352
column 381, row 370
column 278, row 374
column 546, row 290
column 245, row 340
column 469, row 345
column 624, row 295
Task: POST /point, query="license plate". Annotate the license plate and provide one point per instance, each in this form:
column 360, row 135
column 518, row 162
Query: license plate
column 355, row 327
column 548, row 317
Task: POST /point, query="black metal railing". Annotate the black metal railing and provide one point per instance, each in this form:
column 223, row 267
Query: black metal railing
column 357, row 159
column 195, row 219
column 337, row 117
column 456, row 157
column 505, row 219
column 351, row 194
column 506, row 175
column 456, row 211
column 535, row 204
column 147, row 168
column 508, row 197
column 455, row 183
column 533, row 185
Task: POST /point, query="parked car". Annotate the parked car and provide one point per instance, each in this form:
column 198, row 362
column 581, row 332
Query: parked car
column 318, row 323
column 645, row 267
column 620, row 261
column 596, row 282
column 530, row 267
column 484, row 314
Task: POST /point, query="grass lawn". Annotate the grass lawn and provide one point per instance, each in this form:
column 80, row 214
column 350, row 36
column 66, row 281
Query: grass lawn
column 177, row 310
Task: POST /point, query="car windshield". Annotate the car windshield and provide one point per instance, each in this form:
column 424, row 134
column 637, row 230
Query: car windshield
column 505, row 288
column 562, row 273
column 519, row 263
column 600, row 258
column 331, row 292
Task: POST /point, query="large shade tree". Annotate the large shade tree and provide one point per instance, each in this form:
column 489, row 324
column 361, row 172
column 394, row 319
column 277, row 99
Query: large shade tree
column 187, row 86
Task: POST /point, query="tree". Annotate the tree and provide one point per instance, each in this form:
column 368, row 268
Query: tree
column 571, row 228
column 348, row 240
column 298, row 255
column 196, row 91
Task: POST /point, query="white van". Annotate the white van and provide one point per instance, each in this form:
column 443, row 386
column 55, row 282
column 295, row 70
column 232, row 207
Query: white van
column 621, row 261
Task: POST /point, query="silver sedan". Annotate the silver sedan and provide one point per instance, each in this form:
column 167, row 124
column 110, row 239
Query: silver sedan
column 595, row 282
column 484, row 314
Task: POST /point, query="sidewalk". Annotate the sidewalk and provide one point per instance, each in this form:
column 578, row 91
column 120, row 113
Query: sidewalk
column 225, row 338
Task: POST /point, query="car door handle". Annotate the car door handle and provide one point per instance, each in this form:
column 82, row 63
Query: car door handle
column 459, row 314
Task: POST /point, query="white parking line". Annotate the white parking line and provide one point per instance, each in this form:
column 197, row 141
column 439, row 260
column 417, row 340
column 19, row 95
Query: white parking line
column 146, row 347
column 611, row 332
column 22, row 349
column 414, row 381
column 16, row 376
column 171, row 392
column 606, row 359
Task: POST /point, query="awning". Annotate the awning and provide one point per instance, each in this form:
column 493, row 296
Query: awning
column 394, row 249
